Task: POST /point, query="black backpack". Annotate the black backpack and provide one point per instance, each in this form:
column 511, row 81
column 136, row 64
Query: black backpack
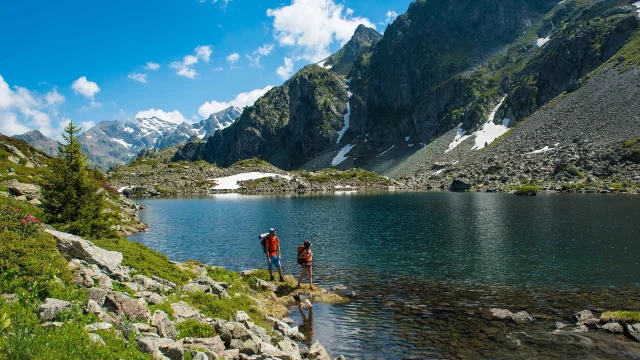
column 263, row 239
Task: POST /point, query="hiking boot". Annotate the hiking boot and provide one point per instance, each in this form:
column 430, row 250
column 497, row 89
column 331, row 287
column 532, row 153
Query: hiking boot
column 272, row 278
column 281, row 278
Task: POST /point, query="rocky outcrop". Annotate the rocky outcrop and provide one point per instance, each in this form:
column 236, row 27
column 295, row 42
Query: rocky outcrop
column 342, row 61
column 52, row 307
column 36, row 139
column 75, row 247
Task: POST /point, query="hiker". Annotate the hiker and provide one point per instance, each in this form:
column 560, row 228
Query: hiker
column 272, row 249
column 305, row 258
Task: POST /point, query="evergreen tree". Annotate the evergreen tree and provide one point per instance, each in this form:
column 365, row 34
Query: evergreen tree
column 72, row 199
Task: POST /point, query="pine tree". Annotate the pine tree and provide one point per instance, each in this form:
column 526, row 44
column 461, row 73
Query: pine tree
column 71, row 199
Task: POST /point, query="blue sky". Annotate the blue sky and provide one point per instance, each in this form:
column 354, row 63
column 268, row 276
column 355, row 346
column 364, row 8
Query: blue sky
column 87, row 61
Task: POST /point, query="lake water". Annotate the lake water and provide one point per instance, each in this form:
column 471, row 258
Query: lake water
column 424, row 265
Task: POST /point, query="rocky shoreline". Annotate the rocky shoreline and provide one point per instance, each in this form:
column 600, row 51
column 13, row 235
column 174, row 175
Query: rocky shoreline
column 124, row 303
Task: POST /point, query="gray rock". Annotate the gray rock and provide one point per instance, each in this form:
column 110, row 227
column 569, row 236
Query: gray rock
column 165, row 282
column 76, row 247
column 199, row 355
column 339, row 287
column 51, row 308
column 238, row 331
column 291, row 348
column 165, row 326
column 212, row 345
column 52, row 323
column 583, row 315
column 500, row 314
column 613, row 328
column 242, row 316
column 158, row 346
column 19, row 189
column 173, row 351
column 250, row 347
column 522, row 317
column 127, row 330
column 265, row 285
column 98, row 295
column 97, row 339
column 633, row 330
column 224, row 331
column 183, row 311
column 306, row 304
column 154, row 299
column 318, row 352
column 98, row 326
column 104, row 282
column 147, row 284
column 235, row 344
column 143, row 327
column 123, row 305
column 193, row 288
column 561, row 325
column 266, row 348
column 231, row 354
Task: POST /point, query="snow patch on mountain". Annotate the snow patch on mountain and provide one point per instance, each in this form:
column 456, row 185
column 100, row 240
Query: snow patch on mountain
column 490, row 131
column 342, row 155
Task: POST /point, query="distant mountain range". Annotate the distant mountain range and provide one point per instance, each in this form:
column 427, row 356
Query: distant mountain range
column 113, row 143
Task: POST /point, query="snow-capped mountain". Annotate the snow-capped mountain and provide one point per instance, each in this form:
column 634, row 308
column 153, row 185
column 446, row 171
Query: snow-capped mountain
column 112, row 143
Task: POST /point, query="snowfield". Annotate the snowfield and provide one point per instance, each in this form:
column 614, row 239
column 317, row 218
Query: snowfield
column 122, row 142
column 542, row 41
column 490, row 131
column 461, row 136
column 231, row 182
column 342, row 155
column 347, row 116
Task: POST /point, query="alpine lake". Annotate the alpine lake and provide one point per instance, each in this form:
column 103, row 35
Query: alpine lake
column 421, row 267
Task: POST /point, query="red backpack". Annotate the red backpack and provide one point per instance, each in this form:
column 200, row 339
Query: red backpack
column 301, row 249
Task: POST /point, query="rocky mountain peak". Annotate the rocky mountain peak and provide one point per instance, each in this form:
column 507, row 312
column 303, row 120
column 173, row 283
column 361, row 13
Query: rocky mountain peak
column 342, row 61
column 39, row 141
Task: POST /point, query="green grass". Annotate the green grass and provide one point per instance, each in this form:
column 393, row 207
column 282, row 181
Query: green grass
column 626, row 316
column 194, row 328
column 211, row 306
column 330, row 174
column 253, row 162
column 164, row 306
column 146, row 261
column 526, row 189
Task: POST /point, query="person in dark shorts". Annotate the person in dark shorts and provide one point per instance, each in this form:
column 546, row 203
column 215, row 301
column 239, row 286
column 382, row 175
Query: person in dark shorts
column 305, row 258
column 272, row 249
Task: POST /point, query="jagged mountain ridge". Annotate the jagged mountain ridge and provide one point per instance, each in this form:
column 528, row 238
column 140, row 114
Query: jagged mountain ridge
column 342, row 61
column 39, row 141
column 445, row 65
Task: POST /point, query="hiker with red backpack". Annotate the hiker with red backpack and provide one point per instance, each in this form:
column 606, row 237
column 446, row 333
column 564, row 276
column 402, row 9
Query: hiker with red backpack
column 305, row 258
column 272, row 249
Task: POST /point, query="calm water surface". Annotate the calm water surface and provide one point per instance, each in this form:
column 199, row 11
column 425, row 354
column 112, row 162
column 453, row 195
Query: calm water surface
column 424, row 265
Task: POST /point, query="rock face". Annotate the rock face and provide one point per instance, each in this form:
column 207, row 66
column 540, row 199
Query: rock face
column 342, row 61
column 76, row 247
column 20, row 189
column 36, row 139
column 287, row 126
column 51, row 308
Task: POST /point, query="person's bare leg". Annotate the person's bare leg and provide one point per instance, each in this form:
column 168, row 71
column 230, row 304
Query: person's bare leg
column 270, row 271
column 301, row 277
column 310, row 279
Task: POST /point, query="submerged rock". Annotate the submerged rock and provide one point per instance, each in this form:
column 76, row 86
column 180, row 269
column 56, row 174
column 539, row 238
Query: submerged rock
column 633, row 331
column 583, row 315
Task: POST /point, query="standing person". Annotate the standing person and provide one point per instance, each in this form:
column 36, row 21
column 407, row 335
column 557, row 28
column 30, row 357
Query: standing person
column 272, row 249
column 306, row 258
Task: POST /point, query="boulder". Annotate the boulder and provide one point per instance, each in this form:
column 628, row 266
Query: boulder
column 561, row 325
column 194, row 287
column 143, row 327
column 75, row 247
column 97, row 339
column 98, row 326
column 153, row 298
column 250, row 347
column 147, row 284
column 20, row 189
column 165, row 326
column 199, row 355
column 582, row 315
column 213, row 345
column 521, row 317
column 160, row 347
column 127, row 330
column 165, row 282
column 291, row 348
column 123, row 305
column 104, row 282
column 98, row 295
column 231, row 354
column 183, row 311
column 318, row 352
column 238, row 331
column 242, row 316
column 633, row 331
column 459, row 186
column 265, row 285
column 51, row 308
column 223, row 330
column 613, row 328
column 266, row 348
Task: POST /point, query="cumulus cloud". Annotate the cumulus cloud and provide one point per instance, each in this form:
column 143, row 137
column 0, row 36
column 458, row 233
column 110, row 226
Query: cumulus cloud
column 138, row 77
column 286, row 70
column 86, row 125
column 204, row 52
column 185, row 67
column 390, row 16
column 85, row 87
column 312, row 26
column 171, row 116
column 22, row 110
column 152, row 66
column 232, row 58
column 258, row 54
column 241, row 100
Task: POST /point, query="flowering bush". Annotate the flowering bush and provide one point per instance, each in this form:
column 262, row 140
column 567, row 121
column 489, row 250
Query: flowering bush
column 13, row 219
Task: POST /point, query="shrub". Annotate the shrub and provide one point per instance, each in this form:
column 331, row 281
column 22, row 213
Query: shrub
column 194, row 328
column 212, row 306
column 527, row 189
column 22, row 224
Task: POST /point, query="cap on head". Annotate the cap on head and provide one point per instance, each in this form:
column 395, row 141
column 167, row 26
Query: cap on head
column 272, row 230
column 307, row 243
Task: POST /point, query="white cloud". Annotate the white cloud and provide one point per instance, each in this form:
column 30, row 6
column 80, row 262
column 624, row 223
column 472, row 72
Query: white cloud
column 286, row 70
column 152, row 66
column 138, row 77
column 204, row 52
column 86, row 125
column 171, row 116
column 85, row 87
column 259, row 53
column 21, row 110
column 232, row 58
column 53, row 97
column 313, row 25
column 241, row 100
column 185, row 67
column 390, row 16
